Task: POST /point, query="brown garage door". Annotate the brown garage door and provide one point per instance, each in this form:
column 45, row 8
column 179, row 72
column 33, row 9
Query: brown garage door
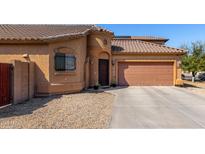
column 145, row 73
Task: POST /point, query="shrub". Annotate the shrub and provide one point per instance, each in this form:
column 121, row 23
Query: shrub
column 113, row 83
column 96, row 86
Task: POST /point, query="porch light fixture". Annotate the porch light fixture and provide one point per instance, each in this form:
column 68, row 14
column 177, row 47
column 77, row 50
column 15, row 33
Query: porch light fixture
column 25, row 55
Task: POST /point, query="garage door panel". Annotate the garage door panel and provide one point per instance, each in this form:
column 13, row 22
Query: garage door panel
column 145, row 73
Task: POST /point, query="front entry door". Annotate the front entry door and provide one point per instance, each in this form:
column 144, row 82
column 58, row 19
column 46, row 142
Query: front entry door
column 103, row 72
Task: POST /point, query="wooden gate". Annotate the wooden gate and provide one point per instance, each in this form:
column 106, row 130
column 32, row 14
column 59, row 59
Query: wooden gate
column 5, row 84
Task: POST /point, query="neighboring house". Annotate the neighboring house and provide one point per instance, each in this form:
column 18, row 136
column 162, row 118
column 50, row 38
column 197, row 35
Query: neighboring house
column 69, row 58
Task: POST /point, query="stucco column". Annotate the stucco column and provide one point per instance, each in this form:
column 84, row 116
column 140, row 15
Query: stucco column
column 98, row 43
column 87, row 72
column 178, row 73
column 93, row 71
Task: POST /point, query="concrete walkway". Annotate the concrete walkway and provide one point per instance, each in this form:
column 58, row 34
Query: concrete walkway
column 157, row 107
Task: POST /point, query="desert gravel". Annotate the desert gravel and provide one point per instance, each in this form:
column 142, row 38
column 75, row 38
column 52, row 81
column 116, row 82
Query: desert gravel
column 82, row 110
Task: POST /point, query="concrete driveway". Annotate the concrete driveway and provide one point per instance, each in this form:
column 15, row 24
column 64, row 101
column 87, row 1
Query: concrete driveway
column 157, row 107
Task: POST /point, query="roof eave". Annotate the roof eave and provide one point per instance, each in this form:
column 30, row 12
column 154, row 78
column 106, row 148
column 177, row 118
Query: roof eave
column 41, row 40
column 16, row 41
column 148, row 53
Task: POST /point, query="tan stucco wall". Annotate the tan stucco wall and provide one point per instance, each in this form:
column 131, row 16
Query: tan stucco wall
column 98, row 49
column 37, row 53
column 124, row 57
column 71, row 81
column 20, row 82
column 47, row 80
column 23, row 82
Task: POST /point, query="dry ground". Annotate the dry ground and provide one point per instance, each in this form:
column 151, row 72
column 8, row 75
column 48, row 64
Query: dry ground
column 195, row 87
column 82, row 110
column 195, row 84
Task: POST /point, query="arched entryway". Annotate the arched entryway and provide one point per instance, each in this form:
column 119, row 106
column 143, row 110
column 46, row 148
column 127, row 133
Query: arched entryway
column 103, row 69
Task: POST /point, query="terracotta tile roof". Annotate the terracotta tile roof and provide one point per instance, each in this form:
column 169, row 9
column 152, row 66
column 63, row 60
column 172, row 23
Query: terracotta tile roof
column 149, row 38
column 45, row 32
column 142, row 38
column 121, row 46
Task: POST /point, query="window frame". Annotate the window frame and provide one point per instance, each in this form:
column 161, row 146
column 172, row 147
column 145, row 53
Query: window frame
column 68, row 55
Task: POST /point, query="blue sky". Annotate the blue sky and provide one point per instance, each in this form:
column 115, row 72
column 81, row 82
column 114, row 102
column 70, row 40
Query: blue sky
column 177, row 33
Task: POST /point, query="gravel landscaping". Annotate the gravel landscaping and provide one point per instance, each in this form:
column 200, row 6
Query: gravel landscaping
column 82, row 110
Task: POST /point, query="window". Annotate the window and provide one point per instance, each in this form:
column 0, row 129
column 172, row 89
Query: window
column 65, row 62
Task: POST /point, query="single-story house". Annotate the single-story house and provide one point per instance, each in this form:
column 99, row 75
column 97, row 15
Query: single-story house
column 53, row 59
